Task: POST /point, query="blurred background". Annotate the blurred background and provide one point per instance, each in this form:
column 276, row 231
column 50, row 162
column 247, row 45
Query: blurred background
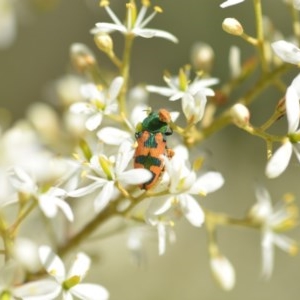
column 39, row 55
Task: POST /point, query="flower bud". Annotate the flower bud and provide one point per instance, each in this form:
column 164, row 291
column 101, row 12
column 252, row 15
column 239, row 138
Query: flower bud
column 202, row 57
column 104, row 42
column 82, row 57
column 223, row 272
column 232, row 26
column 240, row 114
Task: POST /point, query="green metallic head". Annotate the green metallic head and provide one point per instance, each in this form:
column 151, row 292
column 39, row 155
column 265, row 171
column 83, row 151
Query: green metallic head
column 156, row 122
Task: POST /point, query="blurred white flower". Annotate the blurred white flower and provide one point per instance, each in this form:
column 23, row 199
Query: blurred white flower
column 21, row 146
column 8, row 23
column 49, row 201
column 109, row 171
column 135, row 240
column 11, row 286
column 135, row 24
column 100, row 102
column 281, row 158
column 274, row 220
column 288, row 52
column 25, row 252
column 223, row 272
column 235, row 61
column 164, row 224
column 70, row 283
column 67, row 89
column 193, row 94
column 296, row 4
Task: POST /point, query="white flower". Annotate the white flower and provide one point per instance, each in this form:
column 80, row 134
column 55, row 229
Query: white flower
column 288, row 52
column 49, row 201
column 183, row 183
column 223, row 272
column 70, row 283
column 280, row 159
column 109, row 171
column 193, row 95
column 10, row 287
column 135, row 25
column 274, row 220
column 99, row 102
column 235, row 61
column 135, row 239
column 22, row 146
column 296, row 4
column 230, row 3
column 164, row 224
column 8, row 23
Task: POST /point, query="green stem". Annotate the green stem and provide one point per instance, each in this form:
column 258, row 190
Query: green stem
column 220, row 219
column 22, row 216
column 260, row 35
column 264, row 135
column 225, row 119
column 88, row 229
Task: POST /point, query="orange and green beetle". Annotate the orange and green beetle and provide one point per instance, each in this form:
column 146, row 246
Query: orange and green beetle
column 152, row 144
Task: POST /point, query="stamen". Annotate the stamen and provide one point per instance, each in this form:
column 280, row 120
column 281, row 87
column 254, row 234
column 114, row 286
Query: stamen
column 293, row 250
column 146, row 3
column 288, row 198
column 113, row 16
column 104, row 3
column 147, row 20
column 158, row 9
column 183, row 80
column 131, row 14
column 141, row 16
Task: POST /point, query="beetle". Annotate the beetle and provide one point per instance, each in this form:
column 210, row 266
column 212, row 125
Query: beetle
column 151, row 137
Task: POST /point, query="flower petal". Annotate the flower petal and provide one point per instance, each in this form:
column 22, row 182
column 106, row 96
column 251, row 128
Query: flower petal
column 149, row 33
column 159, row 206
column 292, row 109
column 86, row 189
column 93, row 121
column 267, row 254
column 81, row 108
column 52, row 263
column 135, row 176
column 223, row 272
column 115, row 87
column 262, row 210
column 38, row 290
column 89, row 291
column 160, row 90
column 207, row 183
column 125, row 155
column 107, row 27
column 22, row 181
column 113, row 136
column 80, row 266
column 230, row 3
column 288, row 52
column 279, row 161
column 104, row 196
column 192, row 210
